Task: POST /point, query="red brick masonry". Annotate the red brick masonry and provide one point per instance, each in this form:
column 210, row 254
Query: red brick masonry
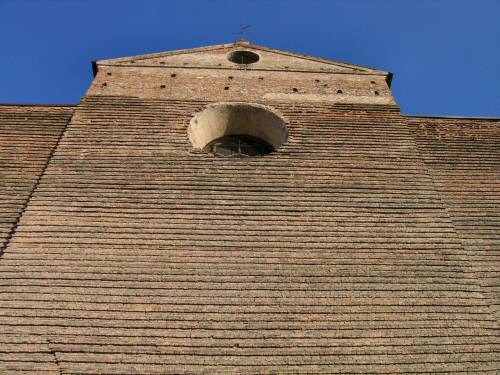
column 368, row 243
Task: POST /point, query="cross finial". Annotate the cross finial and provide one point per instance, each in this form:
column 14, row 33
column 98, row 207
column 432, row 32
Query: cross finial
column 242, row 32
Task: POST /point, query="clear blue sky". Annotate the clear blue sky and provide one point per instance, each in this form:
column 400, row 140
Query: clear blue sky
column 445, row 54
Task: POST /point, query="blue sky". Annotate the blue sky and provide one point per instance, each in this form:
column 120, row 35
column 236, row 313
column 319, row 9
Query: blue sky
column 445, row 54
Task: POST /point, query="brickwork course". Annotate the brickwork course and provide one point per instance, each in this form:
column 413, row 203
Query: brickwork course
column 367, row 243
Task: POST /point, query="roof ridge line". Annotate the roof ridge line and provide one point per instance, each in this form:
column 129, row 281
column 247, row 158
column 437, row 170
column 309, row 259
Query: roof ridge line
column 315, row 58
column 167, row 53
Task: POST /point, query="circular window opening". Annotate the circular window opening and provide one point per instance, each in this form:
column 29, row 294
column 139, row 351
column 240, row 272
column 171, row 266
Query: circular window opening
column 238, row 146
column 243, row 57
column 237, row 129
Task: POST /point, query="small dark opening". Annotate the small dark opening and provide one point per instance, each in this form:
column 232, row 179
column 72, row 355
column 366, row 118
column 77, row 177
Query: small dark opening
column 104, row 84
column 109, row 73
column 295, row 89
column 173, row 75
column 162, row 62
column 238, row 146
column 377, row 93
column 226, row 88
column 163, row 86
column 243, row 57
column 339, row 91
column 230, row 77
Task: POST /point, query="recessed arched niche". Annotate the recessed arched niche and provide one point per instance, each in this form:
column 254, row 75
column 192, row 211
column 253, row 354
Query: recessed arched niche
column 237, row 129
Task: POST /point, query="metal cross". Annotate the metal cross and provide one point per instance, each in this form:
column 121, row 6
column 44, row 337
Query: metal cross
column 243, row 31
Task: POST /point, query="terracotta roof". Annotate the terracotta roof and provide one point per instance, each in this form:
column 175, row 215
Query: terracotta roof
column 349, row 251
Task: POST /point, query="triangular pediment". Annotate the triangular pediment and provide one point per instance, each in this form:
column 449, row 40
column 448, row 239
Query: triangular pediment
column 217, row 57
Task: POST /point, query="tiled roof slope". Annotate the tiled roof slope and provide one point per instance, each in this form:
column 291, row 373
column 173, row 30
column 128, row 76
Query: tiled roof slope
column 28, row 135
column 334, row 255
column 463, row 156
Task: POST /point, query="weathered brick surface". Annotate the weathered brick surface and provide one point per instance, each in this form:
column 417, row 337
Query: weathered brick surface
column 339, row 253
column 216, row 57
column 333, row 255
column 208, row 75
column 28, row 135
column 189, row 84
column 463, row 157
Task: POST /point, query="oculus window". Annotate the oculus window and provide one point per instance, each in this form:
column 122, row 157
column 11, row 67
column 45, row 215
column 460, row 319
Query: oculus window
column 237, row 129
column 243, row 57
column 238, row 146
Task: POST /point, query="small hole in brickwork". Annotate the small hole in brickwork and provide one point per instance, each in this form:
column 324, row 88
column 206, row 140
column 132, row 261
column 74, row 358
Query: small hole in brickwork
column 372, row 82
column 295, row 89
column 104, row 84
column 316, row 80
column 377, row 93
column 230, row 77
column 226, row 88
column 163, row 86
column 173, row 75
column 325, row 85
column 109, row 74
column 261, row 78
column 339, row 91
column 162, row 62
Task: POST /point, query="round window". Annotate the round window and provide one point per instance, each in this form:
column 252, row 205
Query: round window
column 238, row 146
column 243, row 57
column 237, row 129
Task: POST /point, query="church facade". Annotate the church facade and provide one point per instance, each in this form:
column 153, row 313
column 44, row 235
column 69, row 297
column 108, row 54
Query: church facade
column 245, row 210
